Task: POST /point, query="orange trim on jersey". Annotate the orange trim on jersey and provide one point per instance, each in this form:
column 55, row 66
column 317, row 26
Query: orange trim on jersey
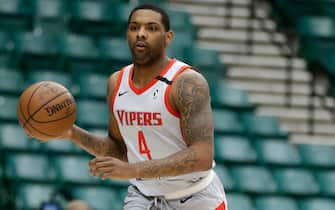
column 117, row 87
column 222, row 206
column 167, row 91
column 141, row 90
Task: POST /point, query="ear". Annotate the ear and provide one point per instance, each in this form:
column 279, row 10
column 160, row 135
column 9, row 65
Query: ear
column 169, row 37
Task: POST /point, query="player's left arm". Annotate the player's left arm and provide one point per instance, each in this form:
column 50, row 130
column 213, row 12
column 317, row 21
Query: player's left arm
column 190, row 96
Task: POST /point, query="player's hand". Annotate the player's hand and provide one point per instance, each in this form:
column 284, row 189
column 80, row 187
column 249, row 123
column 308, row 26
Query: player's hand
column 109, row 167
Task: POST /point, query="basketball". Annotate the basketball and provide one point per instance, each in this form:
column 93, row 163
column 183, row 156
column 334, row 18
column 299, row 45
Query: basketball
column 46, row 110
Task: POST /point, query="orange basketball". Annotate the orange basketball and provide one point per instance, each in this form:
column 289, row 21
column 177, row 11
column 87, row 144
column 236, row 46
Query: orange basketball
column 46, row 110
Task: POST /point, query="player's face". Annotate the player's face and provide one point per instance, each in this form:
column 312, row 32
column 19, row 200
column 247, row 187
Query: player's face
column 147, row 38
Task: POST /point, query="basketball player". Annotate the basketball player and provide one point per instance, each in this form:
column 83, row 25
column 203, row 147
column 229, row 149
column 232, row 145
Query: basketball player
column 161, row 125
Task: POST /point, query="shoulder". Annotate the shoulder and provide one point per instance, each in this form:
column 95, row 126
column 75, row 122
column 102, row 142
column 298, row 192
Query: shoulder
column 111, row 84
column 188, row 87
column 190, row 75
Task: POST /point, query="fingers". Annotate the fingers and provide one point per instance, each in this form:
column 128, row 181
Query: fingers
column 101, row 165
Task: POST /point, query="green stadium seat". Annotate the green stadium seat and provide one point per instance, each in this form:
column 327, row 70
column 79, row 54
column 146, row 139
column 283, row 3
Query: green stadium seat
column 179, row 20
column 74, row 170
column 16, row 14
column 92, row 114
column 7, row 46
column 118, row 184
column 121, row 12
column 279, row 153
column 227, row 122
column 317, row 204
column 51, row 15
column 225, row 177
column 275, row 203
column 93, row 86
column 93, row 18
column 316, row 26
column 123, row 193
column 38, row 51
column 80, row 53
column 326, row 180
column 50, row 9
column 253, row 179
column 207, row 62
column 31, row 196
column 328, row 61
column 50, row 75
column 182, row 41
column 8, row 106
column 316, row 37
column 237, row 201
column 234, row 149
column 61, row 147
column 13, row 138
column 29, row 167
column 263, row 126
column 99, row 198
column 317, row 155
column 11, row 81
column 296, row 182
column 228, row 97
column 115, row 53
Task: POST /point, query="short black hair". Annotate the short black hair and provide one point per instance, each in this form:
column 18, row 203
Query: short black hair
column 165, row 16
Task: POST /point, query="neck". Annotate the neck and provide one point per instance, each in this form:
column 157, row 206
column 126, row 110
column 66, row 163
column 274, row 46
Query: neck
column 145, row 73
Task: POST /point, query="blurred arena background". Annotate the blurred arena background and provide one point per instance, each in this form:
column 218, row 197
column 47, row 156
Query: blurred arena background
column 270, row 65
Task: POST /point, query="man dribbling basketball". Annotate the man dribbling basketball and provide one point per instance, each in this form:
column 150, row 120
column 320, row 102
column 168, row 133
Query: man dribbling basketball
column 161, row 125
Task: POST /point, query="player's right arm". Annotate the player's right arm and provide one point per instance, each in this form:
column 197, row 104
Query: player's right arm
column 110, row 145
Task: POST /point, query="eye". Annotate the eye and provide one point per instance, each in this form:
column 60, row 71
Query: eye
column 132, row 27
column 152, row 28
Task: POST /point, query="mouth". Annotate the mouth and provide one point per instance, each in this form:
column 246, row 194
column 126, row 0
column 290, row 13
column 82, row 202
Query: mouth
column 140, row 45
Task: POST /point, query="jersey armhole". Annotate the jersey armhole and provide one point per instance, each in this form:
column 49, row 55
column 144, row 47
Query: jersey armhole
column 117, row 87
column 167, row 101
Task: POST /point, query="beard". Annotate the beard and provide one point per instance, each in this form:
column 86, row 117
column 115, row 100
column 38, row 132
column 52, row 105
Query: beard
column 145, row 58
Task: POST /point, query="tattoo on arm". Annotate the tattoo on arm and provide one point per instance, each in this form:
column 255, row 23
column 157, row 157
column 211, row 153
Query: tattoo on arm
column 193, row 101
column 97, row 145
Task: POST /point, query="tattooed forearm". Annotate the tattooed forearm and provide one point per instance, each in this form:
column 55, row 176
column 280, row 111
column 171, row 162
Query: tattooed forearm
column 182, row 162
column 96, row 145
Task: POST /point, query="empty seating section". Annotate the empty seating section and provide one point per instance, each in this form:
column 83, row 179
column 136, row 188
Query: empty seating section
column 296, row 181
column 275, row 203
column 254, row 179
column 31, row 196
column 80, row 43
column 280, row 153
column 10, row 81
column 234, row 149
column 99, row 197
column 237, row 201
column 314, row 24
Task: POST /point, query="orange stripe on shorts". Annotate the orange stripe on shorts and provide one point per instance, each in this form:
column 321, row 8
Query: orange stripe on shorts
column 221, row 207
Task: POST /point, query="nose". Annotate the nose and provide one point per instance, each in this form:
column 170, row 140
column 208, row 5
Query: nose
column 141, row 33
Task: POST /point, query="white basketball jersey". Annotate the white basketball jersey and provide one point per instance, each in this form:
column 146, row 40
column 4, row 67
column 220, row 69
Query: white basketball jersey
column 150, row 126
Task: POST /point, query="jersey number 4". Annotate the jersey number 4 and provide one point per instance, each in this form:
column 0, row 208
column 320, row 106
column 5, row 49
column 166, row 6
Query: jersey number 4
column 142, row 143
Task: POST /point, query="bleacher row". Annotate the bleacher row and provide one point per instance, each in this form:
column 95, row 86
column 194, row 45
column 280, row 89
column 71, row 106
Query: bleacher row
column 257, row 165
column 314, row 23
column 82, row 35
